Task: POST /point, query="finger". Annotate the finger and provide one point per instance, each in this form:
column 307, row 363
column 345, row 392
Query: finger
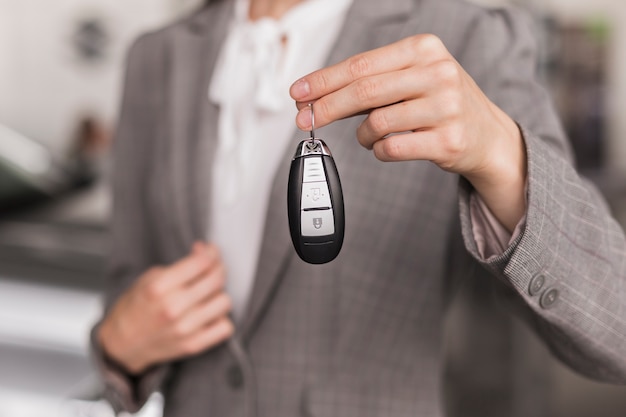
column 336, row 77
column 208, row 337
column 198, row 262
column 180, row 302
column 405, row 116
column 389, row 58
column 423, row 145
column 326, row 80
column 202, row 288
column 203, row 314
column 362, row 94
column 379, row 91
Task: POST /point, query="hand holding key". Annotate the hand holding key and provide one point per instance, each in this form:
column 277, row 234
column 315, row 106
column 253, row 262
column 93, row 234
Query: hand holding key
column 416, row 88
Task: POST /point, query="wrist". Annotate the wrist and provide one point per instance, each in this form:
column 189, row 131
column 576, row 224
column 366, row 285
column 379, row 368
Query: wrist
column 113, row 353
column 501, row 182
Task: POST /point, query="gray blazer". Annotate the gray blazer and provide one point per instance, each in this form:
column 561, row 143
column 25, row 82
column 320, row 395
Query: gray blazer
column 363, row 335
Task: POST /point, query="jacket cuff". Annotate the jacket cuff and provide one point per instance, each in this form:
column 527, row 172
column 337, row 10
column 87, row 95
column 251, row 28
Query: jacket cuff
column 125, row 392
column 491, row 237
column 526, row 252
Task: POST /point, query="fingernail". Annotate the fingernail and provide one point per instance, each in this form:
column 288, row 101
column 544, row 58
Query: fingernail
column 300, row 89
column 303, row 119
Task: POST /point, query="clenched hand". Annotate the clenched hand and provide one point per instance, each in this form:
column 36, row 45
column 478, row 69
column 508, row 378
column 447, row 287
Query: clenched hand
column 170, row 312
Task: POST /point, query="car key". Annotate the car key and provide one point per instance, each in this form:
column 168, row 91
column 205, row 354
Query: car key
column 315, row 201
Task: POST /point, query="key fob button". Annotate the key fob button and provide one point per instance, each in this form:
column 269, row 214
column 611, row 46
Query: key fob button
column 315, row 195
column 313, row 170
column 317, row 223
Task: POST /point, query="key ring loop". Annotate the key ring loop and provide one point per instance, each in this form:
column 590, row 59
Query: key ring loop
column 312, row 124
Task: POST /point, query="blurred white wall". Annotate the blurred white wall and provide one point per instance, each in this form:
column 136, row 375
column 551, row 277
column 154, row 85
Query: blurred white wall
column 44, row 87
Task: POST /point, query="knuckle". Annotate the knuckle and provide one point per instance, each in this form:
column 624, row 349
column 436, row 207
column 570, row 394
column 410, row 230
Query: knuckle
column 392, row 149
column 454, row 144
column 429, row 43
column 321, row 81
column 451, row 104
column 358, row 66
column 168, row 313
column 155, row 290
column 447, row 71
column 366, row 90
column 378, row 123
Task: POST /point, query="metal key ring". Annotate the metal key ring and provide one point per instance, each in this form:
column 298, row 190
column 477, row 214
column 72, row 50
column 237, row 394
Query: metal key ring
column 312, row 122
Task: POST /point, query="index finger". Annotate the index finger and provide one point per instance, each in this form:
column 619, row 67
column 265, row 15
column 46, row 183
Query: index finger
column 198, row 262
column 388, row 58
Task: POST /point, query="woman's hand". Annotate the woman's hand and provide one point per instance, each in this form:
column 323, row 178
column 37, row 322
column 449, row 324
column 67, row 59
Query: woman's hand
column 169, row 313
column 422, row 105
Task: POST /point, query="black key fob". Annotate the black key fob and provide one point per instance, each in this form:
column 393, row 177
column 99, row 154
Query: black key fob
column 315, row 203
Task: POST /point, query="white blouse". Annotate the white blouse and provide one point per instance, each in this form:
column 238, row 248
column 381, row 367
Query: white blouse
column 258, row 62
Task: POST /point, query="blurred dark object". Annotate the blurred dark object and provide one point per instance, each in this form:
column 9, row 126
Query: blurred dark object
column 91, row 40
column 91, row 143
column 92, row 138
column 576, row 70
column 30, row 173
column 61, row 241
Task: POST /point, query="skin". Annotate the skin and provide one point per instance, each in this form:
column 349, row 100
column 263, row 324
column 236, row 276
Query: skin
column 169, row 313
column 270, row 8
column 413, row 86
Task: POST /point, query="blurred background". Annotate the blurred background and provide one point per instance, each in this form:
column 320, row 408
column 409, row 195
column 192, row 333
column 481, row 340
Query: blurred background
column 61, row 64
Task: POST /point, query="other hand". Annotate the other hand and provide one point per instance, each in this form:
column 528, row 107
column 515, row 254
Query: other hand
column 170, row 312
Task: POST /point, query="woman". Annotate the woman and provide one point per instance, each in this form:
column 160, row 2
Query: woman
column 203, row 148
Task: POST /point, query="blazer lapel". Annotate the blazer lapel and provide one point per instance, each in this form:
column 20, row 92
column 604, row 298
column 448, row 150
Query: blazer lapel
column 277, row 252
column 192, row 56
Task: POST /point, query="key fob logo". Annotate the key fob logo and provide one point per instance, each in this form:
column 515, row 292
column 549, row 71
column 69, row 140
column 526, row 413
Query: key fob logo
column 317, row 222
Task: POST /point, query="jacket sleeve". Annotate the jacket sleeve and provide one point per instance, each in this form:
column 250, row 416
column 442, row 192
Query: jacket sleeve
column 130, row 252
column 568, row 264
